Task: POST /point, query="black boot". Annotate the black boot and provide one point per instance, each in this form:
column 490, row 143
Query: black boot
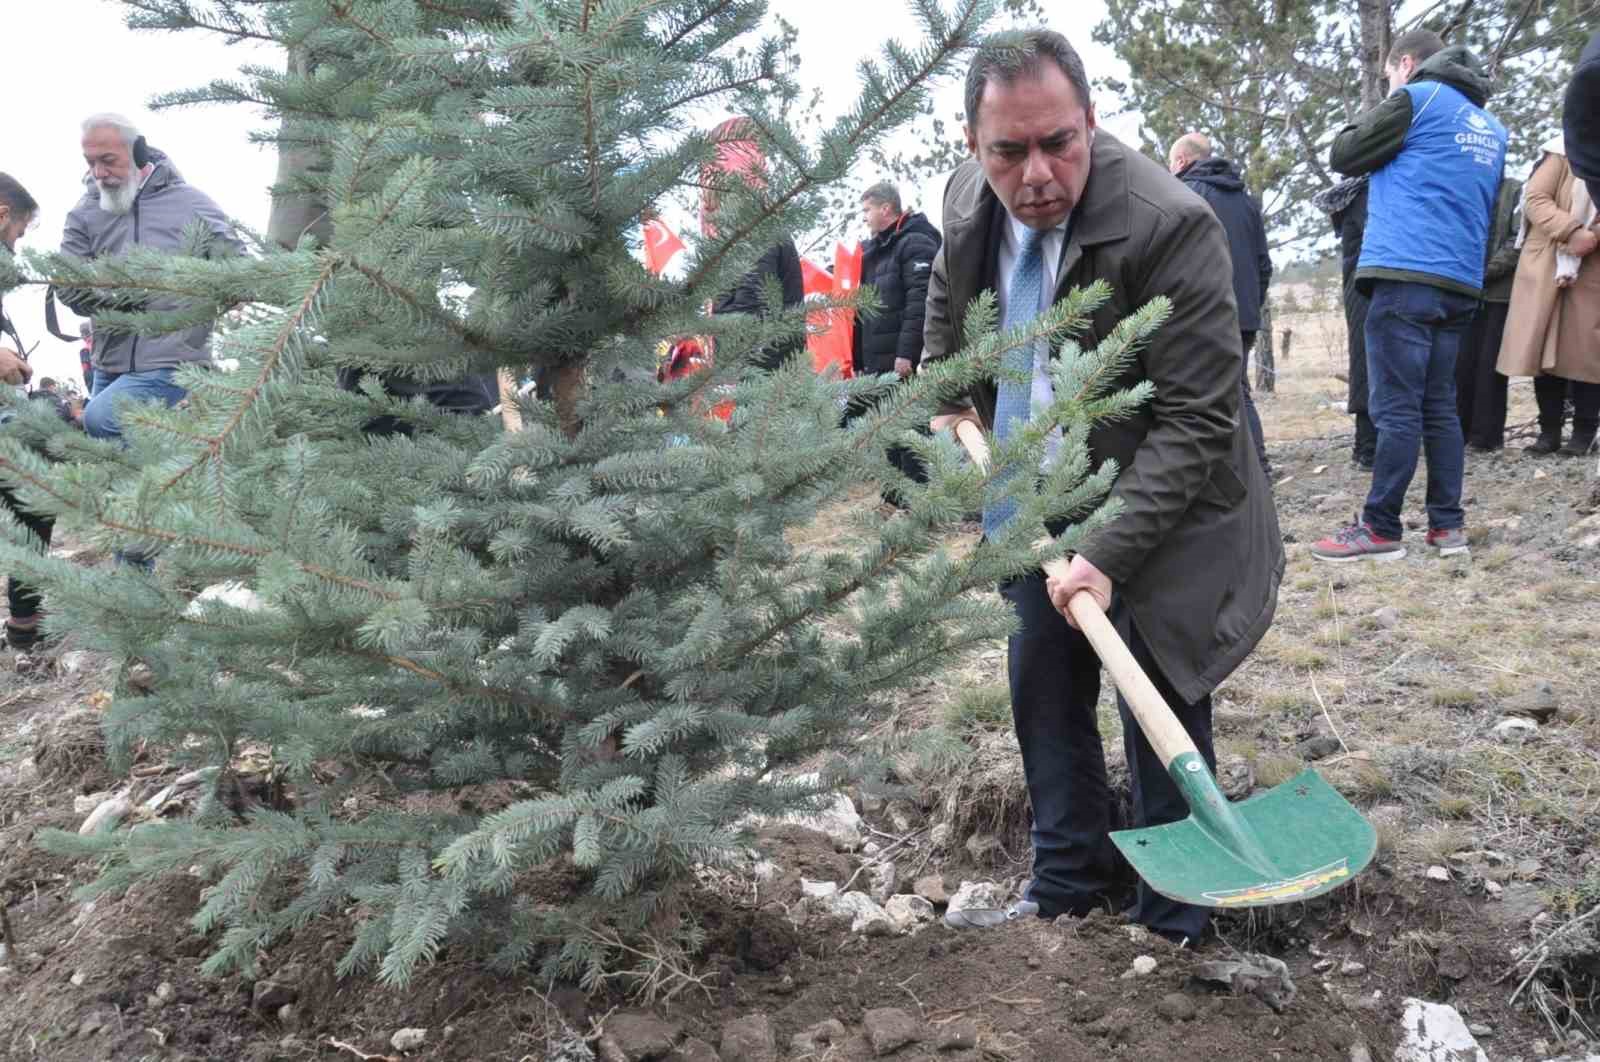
column 1546, row 444
column 1580, row 444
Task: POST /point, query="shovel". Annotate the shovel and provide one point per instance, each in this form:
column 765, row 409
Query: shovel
column 1297, row 840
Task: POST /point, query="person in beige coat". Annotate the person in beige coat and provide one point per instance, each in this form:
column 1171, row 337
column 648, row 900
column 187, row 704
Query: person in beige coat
column 1553, row 330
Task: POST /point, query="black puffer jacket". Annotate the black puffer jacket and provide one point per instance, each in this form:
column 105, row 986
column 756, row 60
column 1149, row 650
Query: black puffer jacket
column 783, row 262
column 1219, row 184
column 1581, row 119
column 896, row 262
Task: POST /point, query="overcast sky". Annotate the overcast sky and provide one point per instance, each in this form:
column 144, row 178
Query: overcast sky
column 70, row 58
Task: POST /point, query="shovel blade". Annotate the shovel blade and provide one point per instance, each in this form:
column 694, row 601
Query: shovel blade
column 1307, row 840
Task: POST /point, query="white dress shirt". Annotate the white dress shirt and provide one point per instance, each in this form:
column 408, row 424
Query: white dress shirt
column 1050, row 248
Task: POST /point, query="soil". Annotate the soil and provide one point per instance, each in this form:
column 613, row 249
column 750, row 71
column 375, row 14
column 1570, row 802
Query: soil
column 121, row 979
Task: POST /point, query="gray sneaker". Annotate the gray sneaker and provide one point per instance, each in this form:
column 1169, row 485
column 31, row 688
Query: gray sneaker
column 1449, row 543
column 1357, row 543
column 989, row 917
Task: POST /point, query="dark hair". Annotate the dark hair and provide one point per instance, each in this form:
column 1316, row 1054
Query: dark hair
column 1015, row 53
column 883, row 192
column 1420, row 44
column 13, row 195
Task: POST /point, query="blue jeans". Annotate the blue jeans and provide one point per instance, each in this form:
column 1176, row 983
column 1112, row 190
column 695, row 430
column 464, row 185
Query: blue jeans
column 1414, row 333
column 113, row 388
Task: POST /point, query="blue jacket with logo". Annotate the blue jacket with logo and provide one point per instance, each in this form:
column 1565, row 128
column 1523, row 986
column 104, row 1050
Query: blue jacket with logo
column 1436, row 159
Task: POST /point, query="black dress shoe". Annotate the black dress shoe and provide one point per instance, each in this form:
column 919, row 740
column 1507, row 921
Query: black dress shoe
column 1546, row 444
column 1579, row 445
column 990, row 917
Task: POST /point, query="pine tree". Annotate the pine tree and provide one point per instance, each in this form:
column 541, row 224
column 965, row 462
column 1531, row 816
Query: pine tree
column 468, row 653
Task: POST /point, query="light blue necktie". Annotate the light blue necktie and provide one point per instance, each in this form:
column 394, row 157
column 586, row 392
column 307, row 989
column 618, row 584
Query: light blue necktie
column 1014, row 404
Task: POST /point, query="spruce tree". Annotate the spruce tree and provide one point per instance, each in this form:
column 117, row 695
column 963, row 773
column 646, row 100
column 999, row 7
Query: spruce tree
column 469, row 653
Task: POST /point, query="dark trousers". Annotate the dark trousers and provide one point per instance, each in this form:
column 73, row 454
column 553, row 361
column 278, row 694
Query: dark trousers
column 1055, row 682
column 1414, row 335
column 904, row 461
column 1551, row 392
column 1248, row 403
column 1355, row 320
column 24, row 600
column 1480, row 390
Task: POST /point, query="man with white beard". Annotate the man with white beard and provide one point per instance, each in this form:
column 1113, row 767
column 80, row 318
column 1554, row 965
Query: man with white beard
column 135, row 196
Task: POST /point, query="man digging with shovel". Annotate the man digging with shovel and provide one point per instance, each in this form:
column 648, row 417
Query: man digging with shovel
column 1189, row 572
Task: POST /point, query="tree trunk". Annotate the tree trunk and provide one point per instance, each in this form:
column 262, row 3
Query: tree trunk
column 1376, row 36
column 295, row 213
column 1266, row 367
column 1288, row 344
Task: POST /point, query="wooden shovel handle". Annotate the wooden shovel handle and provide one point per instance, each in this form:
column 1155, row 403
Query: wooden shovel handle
column 1165, row 734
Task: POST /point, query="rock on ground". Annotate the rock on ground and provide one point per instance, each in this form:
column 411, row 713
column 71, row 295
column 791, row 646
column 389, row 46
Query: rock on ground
column 1515, row 730
column 1175, row 1006
column 971, row 894
column 750, row 1039
column 884, row 877
column 890, row 1028
column 818, row 1038
column 959, row 1036
column 1433, row 1032
column 931, row 888
column 408, row 1039
column 855, row 909
column 634, row 1037
column 906, row 911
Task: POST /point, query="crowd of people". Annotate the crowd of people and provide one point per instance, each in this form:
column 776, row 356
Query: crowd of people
column 1455, row 278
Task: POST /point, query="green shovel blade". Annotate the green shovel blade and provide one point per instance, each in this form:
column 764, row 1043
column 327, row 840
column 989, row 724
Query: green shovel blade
column 1295, row 841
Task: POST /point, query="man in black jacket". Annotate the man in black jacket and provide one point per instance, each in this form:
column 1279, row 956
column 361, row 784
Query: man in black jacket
column 1217, row 181
column 1580, row 122
column 1346, row 206
column 895, row 263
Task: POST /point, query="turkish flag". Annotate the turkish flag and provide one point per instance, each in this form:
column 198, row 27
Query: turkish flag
column 660, row 244
column 815, row 279
column 829, row 341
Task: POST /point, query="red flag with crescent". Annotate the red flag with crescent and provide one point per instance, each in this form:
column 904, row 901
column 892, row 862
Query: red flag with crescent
column 660, row 244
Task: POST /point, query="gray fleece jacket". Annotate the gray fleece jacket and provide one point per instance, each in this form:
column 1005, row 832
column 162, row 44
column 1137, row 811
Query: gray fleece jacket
column 164, row 207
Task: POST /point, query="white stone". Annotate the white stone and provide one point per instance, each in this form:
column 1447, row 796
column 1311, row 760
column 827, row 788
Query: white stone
column 1433, row 1032
column 864, row 914
column 73, row 662
column 906, row 910
column 156, row 802
column 980, row 894
column 1493, row 888
column 1515, row 730
column 1437, row 873
column 819, row 889
column 838, row 820
column 408, row 1039
column 1351, row 968
column 194, row 778
column 941, row 835
column 82, row 805
column 106, row 816
column 871, row 849
column 885, row 877
column 1144, row 965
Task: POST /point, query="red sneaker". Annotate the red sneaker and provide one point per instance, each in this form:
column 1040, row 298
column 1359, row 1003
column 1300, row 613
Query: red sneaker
column 1357, row 543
